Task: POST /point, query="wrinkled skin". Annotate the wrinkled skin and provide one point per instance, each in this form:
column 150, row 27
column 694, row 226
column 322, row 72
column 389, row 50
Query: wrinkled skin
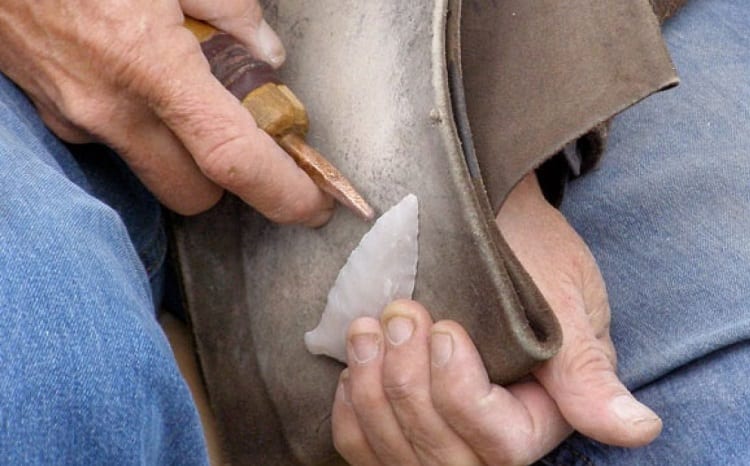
column 416, row 392
column 126, row 73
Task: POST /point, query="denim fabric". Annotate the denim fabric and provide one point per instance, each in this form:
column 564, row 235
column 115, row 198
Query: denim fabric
column 667, row 216
column 86, row 374
column 108, row 179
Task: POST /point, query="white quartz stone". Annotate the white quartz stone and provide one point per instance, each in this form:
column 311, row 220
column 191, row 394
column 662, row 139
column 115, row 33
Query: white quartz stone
column 381, row 268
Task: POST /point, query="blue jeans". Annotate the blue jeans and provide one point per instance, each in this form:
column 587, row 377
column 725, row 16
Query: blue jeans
column 86, row 374
column 667, row 216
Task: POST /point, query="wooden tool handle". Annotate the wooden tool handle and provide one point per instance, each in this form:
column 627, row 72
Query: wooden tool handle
column 254, row 82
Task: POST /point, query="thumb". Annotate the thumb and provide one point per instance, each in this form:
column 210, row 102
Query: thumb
column 583, row 383
column 244, row 20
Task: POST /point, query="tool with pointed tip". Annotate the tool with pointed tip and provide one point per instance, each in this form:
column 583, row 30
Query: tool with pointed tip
column 276, row 110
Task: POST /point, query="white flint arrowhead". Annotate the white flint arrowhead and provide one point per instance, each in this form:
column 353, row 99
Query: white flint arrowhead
column 383, row 267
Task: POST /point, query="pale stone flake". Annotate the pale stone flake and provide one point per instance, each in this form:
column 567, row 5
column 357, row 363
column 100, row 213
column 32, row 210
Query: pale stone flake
column 381, row 268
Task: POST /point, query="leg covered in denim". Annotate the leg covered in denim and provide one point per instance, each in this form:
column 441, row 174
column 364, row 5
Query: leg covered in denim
column 668, row 218
column 86, row 374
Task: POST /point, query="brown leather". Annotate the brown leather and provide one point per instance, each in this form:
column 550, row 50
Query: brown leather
column 540, row 74
column 587, row 150
column 664, row 9
column 376, row 80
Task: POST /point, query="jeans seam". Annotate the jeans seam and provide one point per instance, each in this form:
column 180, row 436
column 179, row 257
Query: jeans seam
column 153, row 253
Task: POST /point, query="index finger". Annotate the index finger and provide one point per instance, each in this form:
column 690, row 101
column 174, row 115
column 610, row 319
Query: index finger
column 225, row 141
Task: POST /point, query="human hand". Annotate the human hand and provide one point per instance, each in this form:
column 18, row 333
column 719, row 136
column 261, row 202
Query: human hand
column 417, row 392
column 128, row 74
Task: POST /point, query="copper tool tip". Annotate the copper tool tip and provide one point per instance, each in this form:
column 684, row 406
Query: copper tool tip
column 325, row 175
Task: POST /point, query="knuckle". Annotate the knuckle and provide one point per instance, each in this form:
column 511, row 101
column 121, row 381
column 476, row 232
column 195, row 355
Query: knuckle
column 124, row 55
column 180, row 104
column 366, row 399
column 402, row 390
column 219, row 162
column 83, row 111
column 156, row 70
column 589, row 357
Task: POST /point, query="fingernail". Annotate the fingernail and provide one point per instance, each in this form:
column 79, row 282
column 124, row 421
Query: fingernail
column 630, row 410
column 365, row 347
column 270, row 45
column 441, row 348
column 399, row 329
column 345, row 388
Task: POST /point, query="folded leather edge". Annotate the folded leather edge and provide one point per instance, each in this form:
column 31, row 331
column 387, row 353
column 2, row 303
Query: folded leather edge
column 530, row 324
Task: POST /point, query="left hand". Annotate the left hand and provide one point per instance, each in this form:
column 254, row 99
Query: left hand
column 418, row 393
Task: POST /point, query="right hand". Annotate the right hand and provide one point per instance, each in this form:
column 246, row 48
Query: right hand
column 128, row 74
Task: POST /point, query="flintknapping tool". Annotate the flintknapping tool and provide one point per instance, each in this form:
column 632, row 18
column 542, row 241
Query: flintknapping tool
column 276, row 110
